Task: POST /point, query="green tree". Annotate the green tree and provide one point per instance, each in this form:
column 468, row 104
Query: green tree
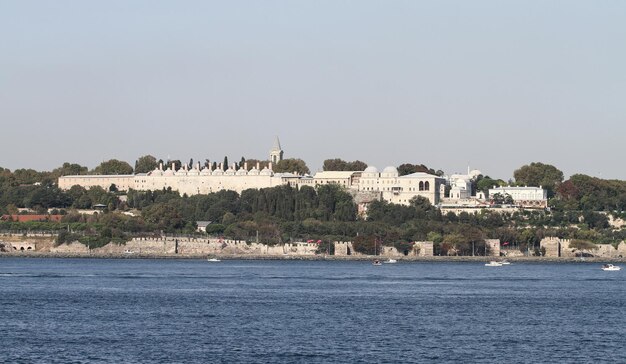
column 408, row 168
column 176, row 162
column 112, row 167
column 70, row 169
column 485, row 183
column 145, row 164
column 291, row 165
column 539, row 174
column 253, row 162
column 341, row 165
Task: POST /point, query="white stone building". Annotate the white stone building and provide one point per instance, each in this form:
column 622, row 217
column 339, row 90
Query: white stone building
column 523, row 196
column 401, row 189
column 461, row 185
column 387, row 185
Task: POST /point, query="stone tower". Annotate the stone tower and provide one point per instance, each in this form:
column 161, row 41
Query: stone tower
column 276, row 154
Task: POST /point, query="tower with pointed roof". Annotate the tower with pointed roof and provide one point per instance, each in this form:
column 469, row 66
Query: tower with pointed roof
column 276, row 154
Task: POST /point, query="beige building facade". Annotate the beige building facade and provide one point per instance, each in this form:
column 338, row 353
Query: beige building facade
column 401, row 189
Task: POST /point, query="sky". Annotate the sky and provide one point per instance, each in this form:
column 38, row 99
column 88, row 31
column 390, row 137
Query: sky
column 490, row 84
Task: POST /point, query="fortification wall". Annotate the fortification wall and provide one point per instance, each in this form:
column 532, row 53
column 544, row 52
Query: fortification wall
column 621, row 250
column 200, row 246
column 424, row 248
column 390, row 251
column 73, row 247
column 551, row 246
column 344, row 248
column 494, row 247
column 556, row 247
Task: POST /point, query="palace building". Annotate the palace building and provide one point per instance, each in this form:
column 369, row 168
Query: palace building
column 386, row 185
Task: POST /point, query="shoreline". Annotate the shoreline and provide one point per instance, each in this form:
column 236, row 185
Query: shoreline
column 401, row 259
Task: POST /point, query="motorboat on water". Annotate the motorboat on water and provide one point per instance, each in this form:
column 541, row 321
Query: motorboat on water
column 213, row 260
column 610, row 267
column 505, row 262
column 377, row 262
column 493, row 264
column 390, row 261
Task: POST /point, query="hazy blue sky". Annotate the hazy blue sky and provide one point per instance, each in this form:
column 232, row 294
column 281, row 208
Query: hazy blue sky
column 496, row 84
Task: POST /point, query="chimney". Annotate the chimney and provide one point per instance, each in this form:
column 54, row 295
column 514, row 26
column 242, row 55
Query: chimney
column 258, row 165
column 161, row 166
column 270, row 166
column 173, row 166
column 245, row 166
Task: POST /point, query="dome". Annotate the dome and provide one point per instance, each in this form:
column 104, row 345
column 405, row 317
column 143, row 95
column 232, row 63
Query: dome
column 206, row 172
column 168, row 172
column 181, row 172
column 253, row 172
column 217, row 172
column 193, row 172
column 156, row 172
column 475, row 173
column 266, row 172
column 390, row 169
column 241, row 172
column 371, row 169
column 229, row 172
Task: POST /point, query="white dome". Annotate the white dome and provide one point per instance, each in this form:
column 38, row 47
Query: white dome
column 266, row 172
column 390, row 169
column 253, row 172
column 168, row 172
column 475, row 173
column 156, row 172
column 206, row 172
column 242, row 172
column 217, row 172
column 371, row 169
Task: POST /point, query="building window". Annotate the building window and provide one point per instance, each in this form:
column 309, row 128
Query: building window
column 421, row 186
column 427, row 186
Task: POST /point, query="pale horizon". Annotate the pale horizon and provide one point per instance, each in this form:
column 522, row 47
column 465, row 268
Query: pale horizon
column 488, row 84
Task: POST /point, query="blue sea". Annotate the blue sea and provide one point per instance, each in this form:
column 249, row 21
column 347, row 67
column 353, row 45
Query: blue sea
column 194, row 311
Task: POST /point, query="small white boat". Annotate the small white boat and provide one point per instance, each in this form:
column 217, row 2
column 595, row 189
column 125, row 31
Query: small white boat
column 610, row 267
column 213, row 260
column 377, row 262
column 390, row 261
column 505, row 262
column 493, row 264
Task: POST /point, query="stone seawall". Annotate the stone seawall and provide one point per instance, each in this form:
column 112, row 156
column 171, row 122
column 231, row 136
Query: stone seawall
column 202, row 247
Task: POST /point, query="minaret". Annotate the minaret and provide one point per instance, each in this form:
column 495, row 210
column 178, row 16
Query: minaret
column 276, row 154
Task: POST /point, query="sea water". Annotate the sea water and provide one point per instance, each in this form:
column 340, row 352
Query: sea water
column 194, row 311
